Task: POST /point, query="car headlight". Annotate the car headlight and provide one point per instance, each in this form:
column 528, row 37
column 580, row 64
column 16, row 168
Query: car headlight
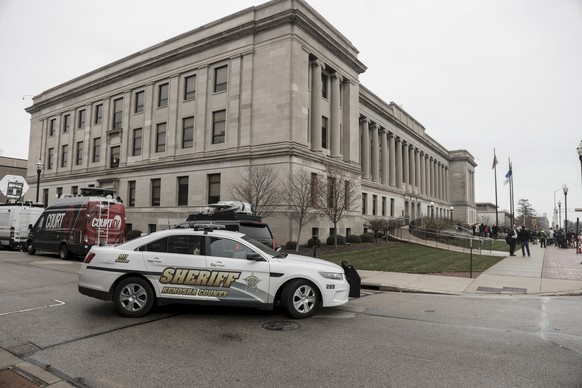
column 332, row 275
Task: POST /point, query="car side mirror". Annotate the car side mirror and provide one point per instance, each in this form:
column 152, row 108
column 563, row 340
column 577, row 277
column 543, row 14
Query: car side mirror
column 29, row 226
column 254, row 257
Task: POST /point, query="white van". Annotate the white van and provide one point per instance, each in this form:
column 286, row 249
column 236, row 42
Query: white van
column 15, row 219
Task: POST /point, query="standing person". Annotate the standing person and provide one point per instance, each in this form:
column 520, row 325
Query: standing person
column 512, row 234
column 524, row 236
column 543, row 237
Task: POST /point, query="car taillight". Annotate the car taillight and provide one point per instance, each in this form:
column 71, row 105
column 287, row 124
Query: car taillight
column 89, row 257
column 273, row 244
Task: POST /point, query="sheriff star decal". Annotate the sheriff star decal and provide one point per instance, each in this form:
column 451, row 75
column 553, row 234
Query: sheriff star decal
column 252, row 281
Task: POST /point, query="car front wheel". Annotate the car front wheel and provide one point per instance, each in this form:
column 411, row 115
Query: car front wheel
column 133, row 297
column 300, row 299
column 30, row 249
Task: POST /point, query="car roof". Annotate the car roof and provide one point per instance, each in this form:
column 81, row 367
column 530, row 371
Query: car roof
column 180, row 232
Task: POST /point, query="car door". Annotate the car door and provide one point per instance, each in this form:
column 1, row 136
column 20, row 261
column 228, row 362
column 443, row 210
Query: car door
column 236, row 278
column 177, row 266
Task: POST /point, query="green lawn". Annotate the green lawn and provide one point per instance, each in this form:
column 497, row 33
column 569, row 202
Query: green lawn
column 412, row 258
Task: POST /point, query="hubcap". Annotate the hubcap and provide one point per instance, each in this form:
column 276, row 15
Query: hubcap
column 133, row 297
column 304, row 299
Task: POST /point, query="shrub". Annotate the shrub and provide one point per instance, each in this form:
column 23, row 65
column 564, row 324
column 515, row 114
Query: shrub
column 311, row 243
column 132, row 234
column 367, row 238
column 291, row 244
column 353, row 239
column 341, row 240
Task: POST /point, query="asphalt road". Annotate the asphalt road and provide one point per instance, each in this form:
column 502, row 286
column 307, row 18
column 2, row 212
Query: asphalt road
column 380, row 340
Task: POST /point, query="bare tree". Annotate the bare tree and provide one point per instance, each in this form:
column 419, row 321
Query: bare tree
column 259, row 187
column 299, row 194
column 378, row 224
column 335, row 194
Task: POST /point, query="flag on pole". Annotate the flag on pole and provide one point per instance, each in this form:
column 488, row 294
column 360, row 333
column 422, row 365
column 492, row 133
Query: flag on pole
column 508, row 175
column 494, row 161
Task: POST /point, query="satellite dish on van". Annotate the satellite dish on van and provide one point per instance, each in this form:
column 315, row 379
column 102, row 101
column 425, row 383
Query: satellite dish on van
column 13, row 187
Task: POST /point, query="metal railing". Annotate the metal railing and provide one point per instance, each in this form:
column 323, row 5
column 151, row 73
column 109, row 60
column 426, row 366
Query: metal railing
column 460, row 239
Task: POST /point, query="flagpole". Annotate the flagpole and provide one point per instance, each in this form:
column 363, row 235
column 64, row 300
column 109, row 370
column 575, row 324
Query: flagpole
column 495, row 173
column 511, row 193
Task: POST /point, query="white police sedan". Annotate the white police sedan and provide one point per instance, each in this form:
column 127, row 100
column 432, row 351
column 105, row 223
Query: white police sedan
column 209, row 266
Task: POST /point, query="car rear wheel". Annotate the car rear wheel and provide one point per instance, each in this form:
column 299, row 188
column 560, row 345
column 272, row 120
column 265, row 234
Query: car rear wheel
column 64, row 252
column 133, row 297
column 300, row 299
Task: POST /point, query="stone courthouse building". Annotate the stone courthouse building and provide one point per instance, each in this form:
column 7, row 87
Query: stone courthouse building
column 174, row 126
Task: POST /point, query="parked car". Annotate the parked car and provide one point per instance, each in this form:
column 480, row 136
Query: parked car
column 235, row 216
column 209, row 266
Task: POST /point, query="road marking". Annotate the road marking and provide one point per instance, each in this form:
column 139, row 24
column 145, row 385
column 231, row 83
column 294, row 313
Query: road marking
column 59, row 303
column 544, row 320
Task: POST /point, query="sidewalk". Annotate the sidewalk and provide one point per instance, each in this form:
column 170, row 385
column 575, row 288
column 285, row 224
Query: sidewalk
column 549, row 271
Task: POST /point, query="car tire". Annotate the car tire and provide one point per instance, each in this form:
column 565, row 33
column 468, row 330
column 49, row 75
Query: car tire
column 64, row 252
column 133, row 297
column 30, row 249
column 300, row 299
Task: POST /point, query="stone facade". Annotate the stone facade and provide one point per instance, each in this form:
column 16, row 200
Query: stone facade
column 274, row 84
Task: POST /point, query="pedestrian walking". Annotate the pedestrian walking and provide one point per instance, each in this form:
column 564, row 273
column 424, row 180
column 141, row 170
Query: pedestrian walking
column 512, row 240
column 543, row 237
column 524, row 236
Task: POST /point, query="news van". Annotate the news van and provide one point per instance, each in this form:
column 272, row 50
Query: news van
column 15, row 219
column 73, row 224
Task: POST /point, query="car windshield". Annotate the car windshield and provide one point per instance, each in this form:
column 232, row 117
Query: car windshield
column 260, row 246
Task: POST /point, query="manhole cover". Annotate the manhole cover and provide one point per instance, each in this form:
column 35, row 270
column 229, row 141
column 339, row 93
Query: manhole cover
column 13, row 377
column 281, row 325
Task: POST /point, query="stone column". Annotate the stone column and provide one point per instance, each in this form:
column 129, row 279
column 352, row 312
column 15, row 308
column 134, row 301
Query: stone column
column 375, row 153
column 431, row 177
column 364, row 123
column 392, row 156
column 316, row 105
column 422, row 173
column 335, row 118
column 399, row 163
column 406, row 164
column 412, row 158
column 384, row 146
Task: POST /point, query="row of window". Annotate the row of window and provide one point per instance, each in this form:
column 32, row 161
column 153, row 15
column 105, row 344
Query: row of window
column 220, row 85
column 218, row 136
column 375, row 205
column 183, row 187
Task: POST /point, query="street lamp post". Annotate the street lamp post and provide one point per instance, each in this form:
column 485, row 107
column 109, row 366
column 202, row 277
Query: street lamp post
column 559, row 214
column 451, row 209
column 39, row 167
column 566, row 208
column 431, row 210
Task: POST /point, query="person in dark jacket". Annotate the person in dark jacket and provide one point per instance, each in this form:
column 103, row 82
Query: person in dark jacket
column 524, row 236
column 512, row 240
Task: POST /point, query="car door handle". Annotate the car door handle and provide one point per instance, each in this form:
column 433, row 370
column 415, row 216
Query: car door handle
column 154, row 260
column 217, row 264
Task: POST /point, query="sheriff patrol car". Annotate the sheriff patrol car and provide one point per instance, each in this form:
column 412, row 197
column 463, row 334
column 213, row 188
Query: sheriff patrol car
column 209, row 266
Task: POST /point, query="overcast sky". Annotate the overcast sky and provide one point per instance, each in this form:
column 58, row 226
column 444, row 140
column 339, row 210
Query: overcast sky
column 478, row 75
